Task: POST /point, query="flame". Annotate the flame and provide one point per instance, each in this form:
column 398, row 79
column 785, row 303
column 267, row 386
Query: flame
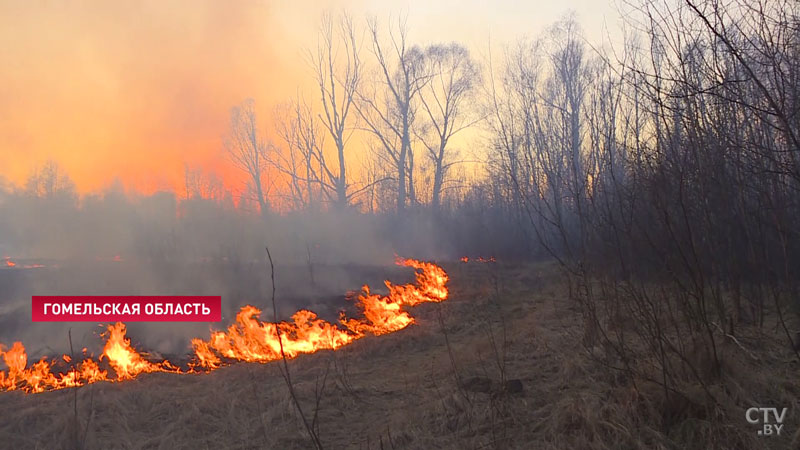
column 115, row 258
column 247, row 339
column 7, row 262
column 383, row 314
column 127, row 362
column 252, row 340
column 479, row 259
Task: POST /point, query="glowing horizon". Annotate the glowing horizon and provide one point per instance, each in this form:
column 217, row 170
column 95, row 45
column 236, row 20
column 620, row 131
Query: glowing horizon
column 137, row 91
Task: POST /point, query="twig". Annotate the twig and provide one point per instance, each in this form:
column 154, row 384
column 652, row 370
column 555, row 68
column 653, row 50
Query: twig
column 258, row 406
column 91, row 414
column 319, row 388
column 285, row 372
column 736, row 341
column 443, row 327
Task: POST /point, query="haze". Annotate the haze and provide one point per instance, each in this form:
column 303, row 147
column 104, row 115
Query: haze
column 136, row 90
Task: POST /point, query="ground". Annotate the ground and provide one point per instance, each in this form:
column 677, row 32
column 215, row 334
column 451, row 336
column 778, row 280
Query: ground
column 500, row 364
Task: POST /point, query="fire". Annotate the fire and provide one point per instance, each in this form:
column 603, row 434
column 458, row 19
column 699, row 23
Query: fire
column 39, row 376
column 115, row 258
column 247, row 339
column 480, row 259
column 431, row 283
column 383, row 314
column 127, row 362
column 7, row 262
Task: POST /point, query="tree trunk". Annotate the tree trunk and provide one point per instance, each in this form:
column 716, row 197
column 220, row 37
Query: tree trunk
column 341, row 182
column 412, row 193
column 401, row 166
column 438, row 178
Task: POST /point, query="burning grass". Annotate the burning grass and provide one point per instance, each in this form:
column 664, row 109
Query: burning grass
column 248, row 339
column 444, row 383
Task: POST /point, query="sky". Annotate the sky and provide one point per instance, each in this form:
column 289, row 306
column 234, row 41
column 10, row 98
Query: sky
column 135, row 90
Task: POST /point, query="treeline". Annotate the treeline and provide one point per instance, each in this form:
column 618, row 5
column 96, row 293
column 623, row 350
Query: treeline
column 378, row 134
column 47, row 220
column 664, row 178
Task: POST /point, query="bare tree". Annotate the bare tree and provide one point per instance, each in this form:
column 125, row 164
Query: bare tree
column 248, row 149
column 537, row 117
column 389, row 110
column 337, row 68
column 453, row 78
column 200, row 184
column 629, row 169
column 303, row 162
column 50, row 181
column 567, row 87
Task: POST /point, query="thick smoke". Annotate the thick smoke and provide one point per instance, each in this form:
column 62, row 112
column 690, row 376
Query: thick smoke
column 118, row 244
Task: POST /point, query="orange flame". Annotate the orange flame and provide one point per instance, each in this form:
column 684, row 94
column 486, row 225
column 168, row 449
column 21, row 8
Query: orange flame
column 479, row 259
column 9, row 263
column 248, row 339
column 127, row 362
column 252, row 340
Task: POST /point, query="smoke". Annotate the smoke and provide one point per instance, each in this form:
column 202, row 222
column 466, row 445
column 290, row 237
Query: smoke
column 117, row 85
column 118, row 244
column 133, row 91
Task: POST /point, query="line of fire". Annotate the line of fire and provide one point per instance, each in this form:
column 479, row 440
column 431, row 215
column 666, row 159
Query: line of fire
column 249, row 339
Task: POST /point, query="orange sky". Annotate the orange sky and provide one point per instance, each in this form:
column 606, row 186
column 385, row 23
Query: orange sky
column 136, row 89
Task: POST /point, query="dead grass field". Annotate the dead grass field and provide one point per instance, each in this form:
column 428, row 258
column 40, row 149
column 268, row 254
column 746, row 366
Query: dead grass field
column 429, row 387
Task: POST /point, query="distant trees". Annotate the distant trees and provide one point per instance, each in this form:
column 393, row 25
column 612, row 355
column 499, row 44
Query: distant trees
column 663, row 179
column 338, row 71
column 249, row 150
column 50, row 181
column 415, row 97
column 538, row 124
column 389, row 106
column 303, row 161
column 454, row 75
column 314, row 176
column 200, row 184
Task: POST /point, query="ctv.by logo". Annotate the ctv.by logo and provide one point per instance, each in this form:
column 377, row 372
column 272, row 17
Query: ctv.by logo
column 765, row 416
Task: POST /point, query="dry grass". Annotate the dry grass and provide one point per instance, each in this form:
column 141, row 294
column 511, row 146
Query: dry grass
column 402, row 390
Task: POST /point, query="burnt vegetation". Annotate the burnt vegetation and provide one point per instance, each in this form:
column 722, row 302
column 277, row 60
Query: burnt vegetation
column 642, row 201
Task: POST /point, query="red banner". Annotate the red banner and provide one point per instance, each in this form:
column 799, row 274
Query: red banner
column 128, row 308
